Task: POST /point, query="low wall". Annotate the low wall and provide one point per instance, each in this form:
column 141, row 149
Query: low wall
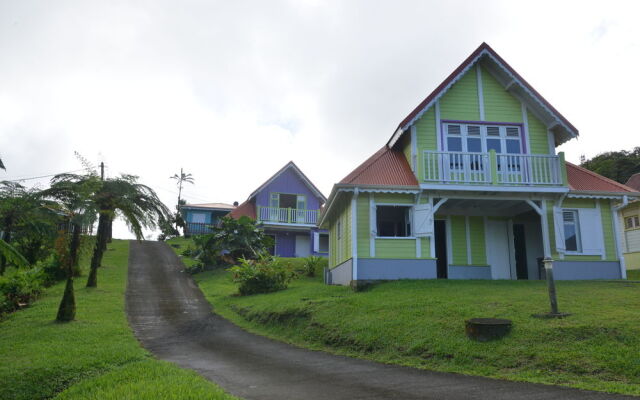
column 467, row 272
column 340, row 275
column 392, row 269
column 582, row 270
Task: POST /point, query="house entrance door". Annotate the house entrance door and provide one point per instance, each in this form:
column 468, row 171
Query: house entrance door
column 499, row 251
column 440, row 228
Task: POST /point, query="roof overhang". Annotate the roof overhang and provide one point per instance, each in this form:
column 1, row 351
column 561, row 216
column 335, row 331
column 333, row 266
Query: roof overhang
column 583, row 194
column 562, row 129
column 302, row 176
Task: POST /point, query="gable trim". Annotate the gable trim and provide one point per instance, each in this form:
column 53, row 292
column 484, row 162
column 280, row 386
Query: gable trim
column 300, row 174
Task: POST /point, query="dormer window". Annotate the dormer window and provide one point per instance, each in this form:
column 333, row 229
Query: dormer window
column 483, row 137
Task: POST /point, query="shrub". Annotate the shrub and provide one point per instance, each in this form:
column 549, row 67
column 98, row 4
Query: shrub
column 312, row 265
column 20, row 288
column 263, row 275
column 53, row 270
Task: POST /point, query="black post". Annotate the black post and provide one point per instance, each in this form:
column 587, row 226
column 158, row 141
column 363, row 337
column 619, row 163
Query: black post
column 102, row 170
column 551, row 284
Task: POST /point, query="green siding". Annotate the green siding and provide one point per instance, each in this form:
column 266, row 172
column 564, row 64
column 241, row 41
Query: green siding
column 425, row 138
column 461, row 101
column 607, row 230
column 425, row 247
column 458, row 240
column 340, row 249
column 478, row 246
column 394, row 198
column 538, row 139
column 499, row 105
column 364, row 231
column 405, row 145
column 395, row 248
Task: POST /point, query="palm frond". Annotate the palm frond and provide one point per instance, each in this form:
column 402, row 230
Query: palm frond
column 12, row 255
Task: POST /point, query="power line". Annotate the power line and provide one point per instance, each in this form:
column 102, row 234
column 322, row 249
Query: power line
column 41, row 176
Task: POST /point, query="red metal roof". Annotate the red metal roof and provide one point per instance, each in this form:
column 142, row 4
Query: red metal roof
column 386, row 167
column 634, row 182
column 581, row 179
column 248, row 208
column 464, row 65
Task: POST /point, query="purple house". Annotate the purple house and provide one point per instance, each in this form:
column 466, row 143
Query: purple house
column 288, row 206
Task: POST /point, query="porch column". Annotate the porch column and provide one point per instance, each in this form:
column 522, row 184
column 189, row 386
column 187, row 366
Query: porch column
column 354, row 235
column 548, row 261
column 618, row 232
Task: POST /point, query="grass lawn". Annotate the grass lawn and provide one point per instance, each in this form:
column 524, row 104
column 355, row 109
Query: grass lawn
column 94, row 357
column 421, row 324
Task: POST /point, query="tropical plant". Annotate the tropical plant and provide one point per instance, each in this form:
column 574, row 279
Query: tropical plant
column 262, row 275
column 19, row 288
column 232, row 240
column 137, row 204
column 312, row 265
column 180, row 180
column 74, row 194
column 20, row 211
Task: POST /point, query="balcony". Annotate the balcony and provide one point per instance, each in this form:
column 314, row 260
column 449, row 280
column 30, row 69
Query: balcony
column 287, row 215
column 197, row 228
column 493, row 169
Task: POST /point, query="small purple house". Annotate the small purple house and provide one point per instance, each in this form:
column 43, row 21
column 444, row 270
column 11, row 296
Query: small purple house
column 288, row 206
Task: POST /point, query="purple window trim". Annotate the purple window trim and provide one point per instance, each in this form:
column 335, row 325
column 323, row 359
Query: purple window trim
column 455, row 121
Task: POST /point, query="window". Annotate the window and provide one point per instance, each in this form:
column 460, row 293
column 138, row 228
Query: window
column 571, row 230
column 198, row 218
column 393, row 221
column 323, row 243
column 480, row 138
column 632, row 222
column 339, row 229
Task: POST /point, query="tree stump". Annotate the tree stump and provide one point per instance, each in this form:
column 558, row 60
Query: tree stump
column 485, row 329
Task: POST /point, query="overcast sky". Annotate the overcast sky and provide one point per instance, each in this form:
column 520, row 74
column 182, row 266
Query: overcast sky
column 231, row 91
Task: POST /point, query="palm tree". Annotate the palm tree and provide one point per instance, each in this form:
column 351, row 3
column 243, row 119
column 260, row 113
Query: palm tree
column 182, row 178
column 74, row 196
column 2, row 165
column 136, row 203
column 17, row 206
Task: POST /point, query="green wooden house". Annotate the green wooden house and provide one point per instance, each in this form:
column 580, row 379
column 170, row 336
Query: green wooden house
column 470, row 186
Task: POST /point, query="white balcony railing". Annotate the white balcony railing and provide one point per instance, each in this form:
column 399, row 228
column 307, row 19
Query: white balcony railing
column 492, row 168
column 287, row 215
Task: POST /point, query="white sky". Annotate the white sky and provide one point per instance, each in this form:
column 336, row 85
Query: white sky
column 232, row 90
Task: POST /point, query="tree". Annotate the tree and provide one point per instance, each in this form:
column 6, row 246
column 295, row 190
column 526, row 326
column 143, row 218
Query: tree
column 180, row 179
column 2, row 165
column 616, row 165
column 74, row 194
column 18, row 207
column 136, row 203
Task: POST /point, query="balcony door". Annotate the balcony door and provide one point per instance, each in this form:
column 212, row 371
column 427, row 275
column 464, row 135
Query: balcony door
column 286, row 207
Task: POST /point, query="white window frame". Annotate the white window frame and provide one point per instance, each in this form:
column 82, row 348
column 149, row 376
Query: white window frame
column 410, row 217
column 320, row 235
column 635, row 222
column 199, row 214
column 576, row 223
column 483, row 136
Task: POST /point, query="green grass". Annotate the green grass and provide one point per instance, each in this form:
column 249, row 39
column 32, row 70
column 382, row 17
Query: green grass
column 421, row 324
column 94, row 357
column 180, row 244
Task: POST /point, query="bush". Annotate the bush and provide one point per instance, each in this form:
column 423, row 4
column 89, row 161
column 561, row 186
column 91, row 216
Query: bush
column 53, row 270
column 20, row 288
column 263, row 275
column 313, row 265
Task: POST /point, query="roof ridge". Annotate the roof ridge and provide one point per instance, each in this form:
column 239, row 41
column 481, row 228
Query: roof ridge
column 604, row 178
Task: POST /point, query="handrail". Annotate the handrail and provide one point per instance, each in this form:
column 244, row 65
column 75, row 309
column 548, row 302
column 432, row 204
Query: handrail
column 287, row 215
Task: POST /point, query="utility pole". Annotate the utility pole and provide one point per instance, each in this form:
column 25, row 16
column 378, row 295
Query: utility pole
column 102, row 170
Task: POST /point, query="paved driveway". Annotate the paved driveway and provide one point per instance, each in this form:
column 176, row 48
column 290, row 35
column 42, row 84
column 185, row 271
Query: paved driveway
column 172, row 319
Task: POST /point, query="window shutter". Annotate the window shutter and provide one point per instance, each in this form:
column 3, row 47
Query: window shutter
column 558, row 228
column 423, row 220
column 591, row 233
column 316, row 242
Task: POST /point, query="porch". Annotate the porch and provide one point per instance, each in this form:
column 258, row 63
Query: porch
column 286, row 215
column 490, row 168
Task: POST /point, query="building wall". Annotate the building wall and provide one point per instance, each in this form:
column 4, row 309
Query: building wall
column 461, row 103
column 340, row 248
column 288, row 182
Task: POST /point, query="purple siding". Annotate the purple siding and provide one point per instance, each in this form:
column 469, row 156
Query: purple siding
column 285, row 244
column 288, row 182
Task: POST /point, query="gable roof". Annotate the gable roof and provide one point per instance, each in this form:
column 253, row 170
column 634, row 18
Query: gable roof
column 248, row 208
column 634, row 182
column 583, row 180
column 303, row 177
column 386, row 167
column 505, row 75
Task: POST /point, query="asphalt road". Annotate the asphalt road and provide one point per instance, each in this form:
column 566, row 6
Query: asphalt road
column 173, row 320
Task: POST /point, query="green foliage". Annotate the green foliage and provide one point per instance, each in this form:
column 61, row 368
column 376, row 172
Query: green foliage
column 232, row 240
column 263, row 275
column 20, row 287
column 616, row 165
column 96, row 357
column 313, row 265
column 421, row 324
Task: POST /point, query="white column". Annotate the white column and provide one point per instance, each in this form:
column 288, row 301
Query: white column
column 354, row 235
